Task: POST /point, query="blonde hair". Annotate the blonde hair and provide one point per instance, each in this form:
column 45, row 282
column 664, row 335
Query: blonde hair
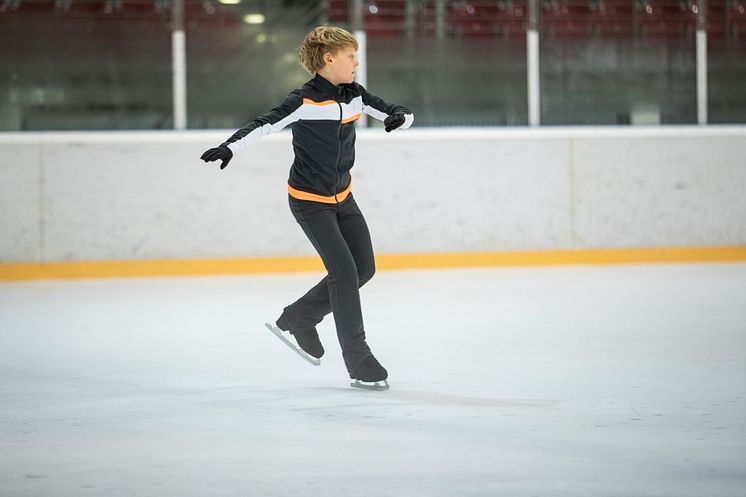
column 321, row 40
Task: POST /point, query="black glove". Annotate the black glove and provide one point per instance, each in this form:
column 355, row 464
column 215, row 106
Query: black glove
column 218, row 153
column 393, row 121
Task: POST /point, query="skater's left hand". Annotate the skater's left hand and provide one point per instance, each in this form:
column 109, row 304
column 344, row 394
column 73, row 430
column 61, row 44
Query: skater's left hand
column 394, row 121
column 218, row 153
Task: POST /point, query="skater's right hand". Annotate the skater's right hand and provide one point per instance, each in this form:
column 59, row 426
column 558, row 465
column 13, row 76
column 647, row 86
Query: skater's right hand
column 218, row 153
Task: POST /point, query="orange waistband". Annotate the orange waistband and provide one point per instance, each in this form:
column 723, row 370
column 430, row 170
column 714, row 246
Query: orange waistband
column 339, row 197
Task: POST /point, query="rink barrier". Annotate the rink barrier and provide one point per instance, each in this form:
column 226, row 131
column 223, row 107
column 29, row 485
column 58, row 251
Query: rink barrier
column 106, row 203
column 278, row 265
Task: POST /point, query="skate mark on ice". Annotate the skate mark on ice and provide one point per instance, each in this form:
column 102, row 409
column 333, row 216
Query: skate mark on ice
column 420, row 397
column 436, row 398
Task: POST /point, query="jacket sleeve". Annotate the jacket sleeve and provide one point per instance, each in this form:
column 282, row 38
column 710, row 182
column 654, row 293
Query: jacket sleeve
column 378, row 108
column 271, row 122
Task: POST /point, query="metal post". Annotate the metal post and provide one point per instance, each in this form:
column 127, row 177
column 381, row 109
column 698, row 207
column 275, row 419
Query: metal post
column 532, row 62
column 356, row 15
column 440, row 18
column 702, row 62
column 178, row 66
column 410, row 11
column 361, row 73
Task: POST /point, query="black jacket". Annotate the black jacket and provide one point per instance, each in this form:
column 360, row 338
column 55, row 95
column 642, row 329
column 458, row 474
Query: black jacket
column 322, row 118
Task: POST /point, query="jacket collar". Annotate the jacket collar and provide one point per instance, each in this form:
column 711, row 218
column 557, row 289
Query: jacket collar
column 324, row 84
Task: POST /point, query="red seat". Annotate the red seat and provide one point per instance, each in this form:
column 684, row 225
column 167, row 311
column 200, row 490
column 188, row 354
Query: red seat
column 737, row 19
column 667, row 18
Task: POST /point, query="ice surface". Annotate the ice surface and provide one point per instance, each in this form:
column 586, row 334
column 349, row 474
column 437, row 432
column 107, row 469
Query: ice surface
column 570, row 381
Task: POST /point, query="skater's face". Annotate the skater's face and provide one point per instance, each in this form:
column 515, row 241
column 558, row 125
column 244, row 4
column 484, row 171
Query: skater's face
column 340, row 67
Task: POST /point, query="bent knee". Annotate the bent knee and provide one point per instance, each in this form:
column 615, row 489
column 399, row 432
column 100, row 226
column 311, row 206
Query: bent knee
column 366, row 273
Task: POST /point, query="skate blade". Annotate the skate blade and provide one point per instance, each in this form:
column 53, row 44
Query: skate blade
column 278, row 333
column 378, row 386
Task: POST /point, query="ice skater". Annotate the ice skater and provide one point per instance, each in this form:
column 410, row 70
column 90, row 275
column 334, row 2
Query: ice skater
column 322, row 117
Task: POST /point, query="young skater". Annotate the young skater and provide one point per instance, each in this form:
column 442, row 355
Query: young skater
column 322, row 117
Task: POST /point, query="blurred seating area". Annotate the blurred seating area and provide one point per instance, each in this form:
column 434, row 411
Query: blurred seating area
column 559, row 18
column 452, row 18
column 135, row 9
column 107, row 64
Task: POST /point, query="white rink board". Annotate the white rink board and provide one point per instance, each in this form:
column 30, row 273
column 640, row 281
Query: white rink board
column 146, row 195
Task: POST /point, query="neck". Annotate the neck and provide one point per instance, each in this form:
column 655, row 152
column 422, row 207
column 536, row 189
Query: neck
column 327, row 76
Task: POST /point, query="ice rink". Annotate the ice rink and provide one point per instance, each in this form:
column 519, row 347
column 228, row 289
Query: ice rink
column 566, row 381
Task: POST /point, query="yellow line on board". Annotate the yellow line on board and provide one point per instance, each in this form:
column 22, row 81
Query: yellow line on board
column 199, row 267
column 563, row 257
column 188, row 267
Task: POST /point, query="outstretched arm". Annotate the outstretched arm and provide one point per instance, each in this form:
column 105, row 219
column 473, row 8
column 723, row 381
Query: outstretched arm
column 271, row 122
column 393, row 116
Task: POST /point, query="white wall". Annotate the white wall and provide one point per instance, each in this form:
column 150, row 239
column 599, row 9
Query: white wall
column 146, row 195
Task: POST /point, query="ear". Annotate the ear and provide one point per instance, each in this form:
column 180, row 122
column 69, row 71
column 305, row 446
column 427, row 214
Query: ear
column 328, row 58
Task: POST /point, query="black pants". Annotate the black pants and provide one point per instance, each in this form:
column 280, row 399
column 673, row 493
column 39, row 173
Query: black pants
column 340, row 235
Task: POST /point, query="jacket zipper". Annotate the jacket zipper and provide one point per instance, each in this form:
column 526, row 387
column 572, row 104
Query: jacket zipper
column 339, row 150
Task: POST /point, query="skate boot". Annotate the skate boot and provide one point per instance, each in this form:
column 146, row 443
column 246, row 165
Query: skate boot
column 308, row 340
column 370, row 375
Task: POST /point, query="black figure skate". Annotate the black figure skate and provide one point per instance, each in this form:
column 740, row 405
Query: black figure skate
column 310, row 347
column 370, row 375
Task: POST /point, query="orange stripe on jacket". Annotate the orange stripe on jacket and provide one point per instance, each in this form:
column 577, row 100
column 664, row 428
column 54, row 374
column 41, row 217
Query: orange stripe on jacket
column 325, row 102
column 301, row 195
column 350, row 119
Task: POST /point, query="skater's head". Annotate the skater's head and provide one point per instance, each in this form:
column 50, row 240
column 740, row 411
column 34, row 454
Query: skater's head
column 330, row 52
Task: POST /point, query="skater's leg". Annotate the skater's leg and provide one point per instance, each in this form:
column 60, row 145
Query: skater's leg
column 310, row 309
column 355, row 232
column 320, row 224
